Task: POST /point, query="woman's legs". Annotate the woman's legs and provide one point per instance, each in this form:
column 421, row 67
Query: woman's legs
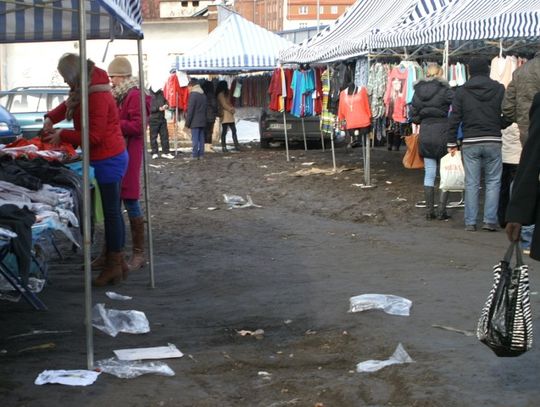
column 136, row 222
column 224, row 128
column 430, row 172
column 234, row 136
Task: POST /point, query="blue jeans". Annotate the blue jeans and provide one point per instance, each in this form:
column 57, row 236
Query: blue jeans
column 430, row 171
column 133, row 208
column 115, row 230
column 526, row 236
column 487, row 157
column 197, row 139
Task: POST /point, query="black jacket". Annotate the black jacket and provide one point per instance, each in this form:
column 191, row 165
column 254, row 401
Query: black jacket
column 524, row 206
column 197, row 108
column 158, row 100
column 477, row 105
column 430, row 106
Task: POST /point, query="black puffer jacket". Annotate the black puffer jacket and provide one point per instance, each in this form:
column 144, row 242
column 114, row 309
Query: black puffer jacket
column 477, row 105
column 430, row 105
column 158, row 99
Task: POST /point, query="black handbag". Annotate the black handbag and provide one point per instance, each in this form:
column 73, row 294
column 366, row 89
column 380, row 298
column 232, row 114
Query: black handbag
column 505, row 325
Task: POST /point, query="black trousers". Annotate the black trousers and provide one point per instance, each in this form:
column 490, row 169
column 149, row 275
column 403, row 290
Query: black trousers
column 161, row 129
column 224, row 128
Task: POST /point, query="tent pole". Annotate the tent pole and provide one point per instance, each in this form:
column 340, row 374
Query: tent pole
column 284, row 97
column 286, row 138
column 85, row 145
column 176, row 126
column 367, row 145
column 304, row 134
column 145, row 165
column 331, row 134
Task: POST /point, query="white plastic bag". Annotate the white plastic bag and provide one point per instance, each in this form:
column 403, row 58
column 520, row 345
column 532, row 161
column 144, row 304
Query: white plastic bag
column 391, row 304
column 452, row 173
column 400, row 356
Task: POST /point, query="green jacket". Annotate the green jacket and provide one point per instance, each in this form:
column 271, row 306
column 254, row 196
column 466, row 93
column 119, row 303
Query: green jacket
column 520, row 93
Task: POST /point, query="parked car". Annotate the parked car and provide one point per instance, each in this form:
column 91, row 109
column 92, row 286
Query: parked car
column 10, row 130
column 272, row 128
column 30, row 103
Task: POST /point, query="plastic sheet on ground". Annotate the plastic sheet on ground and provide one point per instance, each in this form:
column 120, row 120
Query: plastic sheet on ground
column 315, row 170
column 112, row 321
column 237, row 202
column 67, row 377
column 399, row 356
column 391, row 304
column 157, row 352
column 114, row 296
column 125, row 369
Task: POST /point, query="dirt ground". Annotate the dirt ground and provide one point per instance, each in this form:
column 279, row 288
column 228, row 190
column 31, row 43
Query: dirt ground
column 288, row 268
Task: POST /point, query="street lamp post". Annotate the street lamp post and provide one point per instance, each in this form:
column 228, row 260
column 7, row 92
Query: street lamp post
column 318, row 14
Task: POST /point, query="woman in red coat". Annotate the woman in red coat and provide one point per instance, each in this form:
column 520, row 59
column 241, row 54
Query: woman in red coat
column 107, row 152
column 128, row 98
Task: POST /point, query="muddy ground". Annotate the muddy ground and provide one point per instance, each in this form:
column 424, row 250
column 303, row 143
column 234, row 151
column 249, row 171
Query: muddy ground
column 288, row 268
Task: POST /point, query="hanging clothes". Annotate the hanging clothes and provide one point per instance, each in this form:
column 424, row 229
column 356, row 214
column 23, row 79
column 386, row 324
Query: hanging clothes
column 354, row 108
column 395, row 98
column 361, row 72
column 376, row 88
column 328, row 119
column 302, row 85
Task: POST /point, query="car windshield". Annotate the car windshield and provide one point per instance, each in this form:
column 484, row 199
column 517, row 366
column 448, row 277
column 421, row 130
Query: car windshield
column 4, row 100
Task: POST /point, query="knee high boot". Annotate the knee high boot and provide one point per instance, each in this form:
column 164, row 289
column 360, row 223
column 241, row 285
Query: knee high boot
column 429, row 193
column 137, row 240
column 443, row 215
column 112, row 272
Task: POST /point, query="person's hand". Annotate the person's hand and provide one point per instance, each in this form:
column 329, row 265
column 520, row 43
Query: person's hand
column 452, row 150
column 512, row 231
column 47, row 126
column 165, row 107
column 53, row 137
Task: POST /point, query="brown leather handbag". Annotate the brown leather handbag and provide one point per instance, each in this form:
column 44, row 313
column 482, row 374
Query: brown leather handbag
column 412, row 158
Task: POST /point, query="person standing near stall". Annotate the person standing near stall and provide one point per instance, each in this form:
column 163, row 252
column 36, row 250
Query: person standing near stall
column 430, row 106
column 226, row 114
column 125, row 89
column 108, row 155
column 196, row 117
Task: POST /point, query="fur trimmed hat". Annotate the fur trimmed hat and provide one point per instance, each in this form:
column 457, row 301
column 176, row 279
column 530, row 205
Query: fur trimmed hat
column 119, row 66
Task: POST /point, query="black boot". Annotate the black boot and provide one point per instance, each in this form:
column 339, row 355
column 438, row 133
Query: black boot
column 429, row 193
column 443, row 215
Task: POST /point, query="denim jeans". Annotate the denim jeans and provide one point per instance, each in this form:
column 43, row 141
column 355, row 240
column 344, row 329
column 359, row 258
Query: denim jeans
column 478, row 157
column 526, row 236
column 115, row 232
column 197, row 139
column 133, row 208
column 430, row 171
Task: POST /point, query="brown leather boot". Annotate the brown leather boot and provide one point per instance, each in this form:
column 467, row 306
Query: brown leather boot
column 99, row 262
column 112, row 272
column 137, row 259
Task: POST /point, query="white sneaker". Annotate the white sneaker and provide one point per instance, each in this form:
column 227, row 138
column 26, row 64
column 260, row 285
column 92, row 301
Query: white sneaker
column 154, row 156
column 168, row 155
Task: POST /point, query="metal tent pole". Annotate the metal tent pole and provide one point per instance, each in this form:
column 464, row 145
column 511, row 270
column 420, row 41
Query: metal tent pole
column 85, row 146
column 332, row 134
column 304, row 134
column 286, row 137
column 145, row 165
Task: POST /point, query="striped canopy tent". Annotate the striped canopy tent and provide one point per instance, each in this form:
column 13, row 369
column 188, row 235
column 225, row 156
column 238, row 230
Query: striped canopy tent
column 235, row 45
column 464, row 20
column 58, row 20
column 61, row 20
column 349, row 36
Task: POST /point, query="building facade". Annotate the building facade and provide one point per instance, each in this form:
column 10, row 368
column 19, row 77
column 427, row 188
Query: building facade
column 281, row 15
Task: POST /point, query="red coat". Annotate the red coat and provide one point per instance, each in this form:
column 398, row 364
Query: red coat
column 131, row 124
column 105, row 135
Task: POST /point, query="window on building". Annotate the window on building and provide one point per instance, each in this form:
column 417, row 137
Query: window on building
column 321, row 10
column 303, row 10
column 195, row 4
column 184, row 3
column 334, row 9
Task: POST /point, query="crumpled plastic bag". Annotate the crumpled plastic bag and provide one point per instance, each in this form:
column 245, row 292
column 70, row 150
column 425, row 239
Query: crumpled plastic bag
column 391, row 304
column 398, row 357
column 67, row 377
column 112, row 321
column 128, row 369
column 237, row 202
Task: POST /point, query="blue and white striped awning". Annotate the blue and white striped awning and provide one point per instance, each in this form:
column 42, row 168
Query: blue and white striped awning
column 58, row 20
column 235, row 45
column 350, row 34
column 467, row 20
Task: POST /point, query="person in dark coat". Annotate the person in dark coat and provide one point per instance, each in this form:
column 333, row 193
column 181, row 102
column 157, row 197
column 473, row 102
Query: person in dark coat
column 524, row 206
column 430, row 106
column 211, row 110
column 158, row 124
column 477, row 106
column 196, row 117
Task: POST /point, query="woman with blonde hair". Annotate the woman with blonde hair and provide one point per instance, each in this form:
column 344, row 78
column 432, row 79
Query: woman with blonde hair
column 108, row 155
column 430, row 105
